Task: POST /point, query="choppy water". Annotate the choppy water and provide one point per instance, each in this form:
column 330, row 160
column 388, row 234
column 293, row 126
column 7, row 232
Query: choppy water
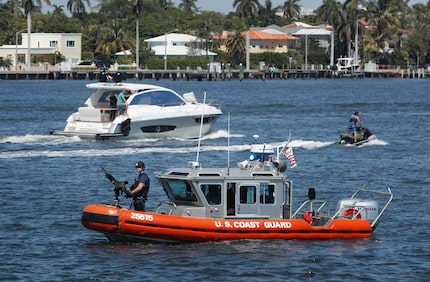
column 47, row 180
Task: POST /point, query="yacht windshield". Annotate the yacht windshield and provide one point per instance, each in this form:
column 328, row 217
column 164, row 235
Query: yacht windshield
column 162, row 98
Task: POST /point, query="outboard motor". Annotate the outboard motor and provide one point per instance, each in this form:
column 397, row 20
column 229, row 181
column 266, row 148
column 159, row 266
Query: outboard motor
column 364, row 209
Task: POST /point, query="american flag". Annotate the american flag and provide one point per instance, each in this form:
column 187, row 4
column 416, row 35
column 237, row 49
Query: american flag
column 288, row 153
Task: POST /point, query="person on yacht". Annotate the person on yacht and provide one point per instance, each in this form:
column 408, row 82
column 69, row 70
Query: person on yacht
column 112, row 104
column 121, row 103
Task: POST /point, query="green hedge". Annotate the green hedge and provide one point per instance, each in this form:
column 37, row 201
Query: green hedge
column 173, row 63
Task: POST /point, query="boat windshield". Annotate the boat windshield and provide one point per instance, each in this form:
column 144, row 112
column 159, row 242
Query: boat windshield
column 181, row 190
column 162, row 98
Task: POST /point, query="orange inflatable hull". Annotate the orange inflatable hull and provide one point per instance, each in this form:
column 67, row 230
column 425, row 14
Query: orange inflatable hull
column 127, row 225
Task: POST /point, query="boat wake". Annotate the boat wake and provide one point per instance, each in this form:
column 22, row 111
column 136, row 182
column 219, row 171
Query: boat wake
column 39, row 139
column 51, row 140
column 373, row 142
column 310, row 144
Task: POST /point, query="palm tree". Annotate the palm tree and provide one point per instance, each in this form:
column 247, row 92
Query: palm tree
column 386, row 18
column 267, row 13
column 28, row 7
column 418, row 43
column 188, row 6
column 77, row 7
column 291, row 9
column 58, row 11
column 353, row 7
column 137, row 11
column 114, row 40
column 331, row 12
column 235, row 47
column 246, row 9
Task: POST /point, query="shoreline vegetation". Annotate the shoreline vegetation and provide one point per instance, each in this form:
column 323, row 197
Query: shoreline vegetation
column 200, row 75
column 385, row 32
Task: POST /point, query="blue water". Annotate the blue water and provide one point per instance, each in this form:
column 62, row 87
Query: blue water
column 47, row 180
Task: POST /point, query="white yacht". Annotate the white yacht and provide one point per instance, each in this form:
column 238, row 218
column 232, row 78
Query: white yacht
column 152, row 112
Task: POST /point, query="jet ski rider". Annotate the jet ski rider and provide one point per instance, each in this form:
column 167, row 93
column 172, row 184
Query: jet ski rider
column 354, row 125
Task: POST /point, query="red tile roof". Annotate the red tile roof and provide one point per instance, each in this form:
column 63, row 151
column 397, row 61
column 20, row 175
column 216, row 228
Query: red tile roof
column 260, row 35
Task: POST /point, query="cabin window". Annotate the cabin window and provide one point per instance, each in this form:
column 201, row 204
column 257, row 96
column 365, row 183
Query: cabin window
column 157, row 98
column 267, row 193
column 287, row 191
column 182, row 191
column 248, row 194
column 212, row 193
column 231, row 198
column 105, row 98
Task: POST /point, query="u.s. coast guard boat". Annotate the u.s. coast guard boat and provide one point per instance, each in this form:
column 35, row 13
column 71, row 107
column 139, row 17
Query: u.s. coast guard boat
column 253, row 200
column 153, row 112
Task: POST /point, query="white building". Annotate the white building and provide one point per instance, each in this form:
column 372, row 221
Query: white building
column 45, row 45
column 178, row 45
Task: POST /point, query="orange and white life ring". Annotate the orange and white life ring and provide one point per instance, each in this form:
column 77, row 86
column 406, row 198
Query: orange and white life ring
column 352, row 213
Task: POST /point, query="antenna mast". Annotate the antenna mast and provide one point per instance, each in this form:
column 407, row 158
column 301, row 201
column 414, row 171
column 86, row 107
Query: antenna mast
column 201, row 127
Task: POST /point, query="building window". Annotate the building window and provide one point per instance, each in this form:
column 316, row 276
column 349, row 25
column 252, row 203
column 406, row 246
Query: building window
column 70, row 43
column 291, row 45
column 53, row 43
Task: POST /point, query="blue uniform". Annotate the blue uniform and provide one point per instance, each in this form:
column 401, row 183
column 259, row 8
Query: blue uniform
column 139, row 199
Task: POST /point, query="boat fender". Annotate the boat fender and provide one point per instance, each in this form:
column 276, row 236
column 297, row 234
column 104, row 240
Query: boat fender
column 352, row 213
column 308, row 217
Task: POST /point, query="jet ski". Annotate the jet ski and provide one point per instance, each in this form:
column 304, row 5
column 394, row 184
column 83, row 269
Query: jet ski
column 364, row 136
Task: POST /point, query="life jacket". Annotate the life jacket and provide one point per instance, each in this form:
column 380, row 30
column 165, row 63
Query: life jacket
column 144, row 192
column 353, row 119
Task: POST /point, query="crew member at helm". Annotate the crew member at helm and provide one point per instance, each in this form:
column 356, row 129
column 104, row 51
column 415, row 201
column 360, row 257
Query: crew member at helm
column 139, row 190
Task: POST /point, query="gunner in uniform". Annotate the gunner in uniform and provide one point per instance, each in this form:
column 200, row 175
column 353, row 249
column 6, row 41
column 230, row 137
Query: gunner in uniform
column 139, row 190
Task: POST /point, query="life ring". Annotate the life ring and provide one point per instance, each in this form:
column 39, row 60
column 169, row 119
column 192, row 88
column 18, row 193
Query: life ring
column 352, row 213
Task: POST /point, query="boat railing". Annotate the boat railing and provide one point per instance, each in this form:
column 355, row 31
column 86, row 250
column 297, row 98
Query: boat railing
column 357, row 212
column 315, row 206
column 363, row 210
column 385, row 193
